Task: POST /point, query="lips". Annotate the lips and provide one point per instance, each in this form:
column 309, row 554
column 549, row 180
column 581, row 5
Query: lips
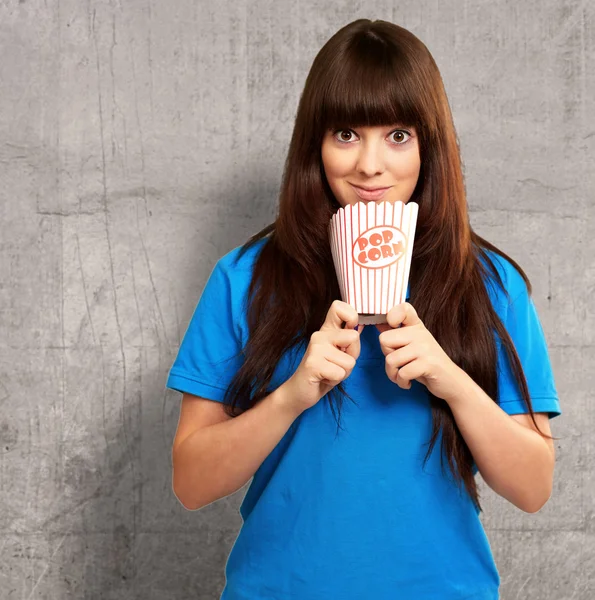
column 374, row 194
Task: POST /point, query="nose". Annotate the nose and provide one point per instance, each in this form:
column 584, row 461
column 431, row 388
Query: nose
column 370, row 161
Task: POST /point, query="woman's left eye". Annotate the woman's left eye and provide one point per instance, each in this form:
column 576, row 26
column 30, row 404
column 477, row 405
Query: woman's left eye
column 349, row 131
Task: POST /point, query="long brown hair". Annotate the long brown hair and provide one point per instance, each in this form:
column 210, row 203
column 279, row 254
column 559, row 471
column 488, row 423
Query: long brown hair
column 375, row 73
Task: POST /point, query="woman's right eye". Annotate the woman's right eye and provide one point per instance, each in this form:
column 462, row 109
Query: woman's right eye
column 348, row 131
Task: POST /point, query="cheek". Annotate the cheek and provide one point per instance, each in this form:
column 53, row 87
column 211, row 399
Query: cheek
column 416, row 163
column 333, row 166
column 334, row 162
column 411, row 167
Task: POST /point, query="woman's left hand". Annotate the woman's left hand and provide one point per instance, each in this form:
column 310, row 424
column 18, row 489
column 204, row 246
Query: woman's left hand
column 412, row 352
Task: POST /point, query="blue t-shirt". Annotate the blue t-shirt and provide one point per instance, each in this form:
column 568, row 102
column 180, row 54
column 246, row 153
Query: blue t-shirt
column 354, row 516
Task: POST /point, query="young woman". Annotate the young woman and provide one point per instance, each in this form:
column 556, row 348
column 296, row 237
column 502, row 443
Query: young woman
column 361, row 505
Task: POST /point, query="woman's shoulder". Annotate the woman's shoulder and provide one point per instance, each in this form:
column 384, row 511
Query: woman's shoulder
column 240, row 260
column 512, row 280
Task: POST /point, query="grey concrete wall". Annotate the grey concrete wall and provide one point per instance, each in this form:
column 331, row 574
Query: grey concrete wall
column 139, row 142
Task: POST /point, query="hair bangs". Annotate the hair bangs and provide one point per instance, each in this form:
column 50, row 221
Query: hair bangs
column 369, row 89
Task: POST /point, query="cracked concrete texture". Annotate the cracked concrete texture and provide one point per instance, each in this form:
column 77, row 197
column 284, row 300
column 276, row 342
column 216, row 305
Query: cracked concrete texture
column 139, row 143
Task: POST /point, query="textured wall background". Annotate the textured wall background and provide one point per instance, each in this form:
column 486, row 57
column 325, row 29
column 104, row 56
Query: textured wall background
column 139, row 142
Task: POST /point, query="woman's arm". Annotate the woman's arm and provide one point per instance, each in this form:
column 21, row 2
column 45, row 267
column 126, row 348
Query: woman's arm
column 513, row 459
column 217, row 460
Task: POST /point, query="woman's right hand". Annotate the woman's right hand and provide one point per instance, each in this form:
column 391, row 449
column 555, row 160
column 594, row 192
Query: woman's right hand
column 329, row 358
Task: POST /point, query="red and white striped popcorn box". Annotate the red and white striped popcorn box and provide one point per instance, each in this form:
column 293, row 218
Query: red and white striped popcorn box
column 372, row 245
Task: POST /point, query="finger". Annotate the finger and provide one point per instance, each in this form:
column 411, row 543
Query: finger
column 390, row 342
column 402, row 314
column 340, row 312
column 331, row 373
column 393, row 339
column 346, row 340
column 341, row 338
column 342, row 359
column 401, row 357
column 402, row 375
column 403, row 378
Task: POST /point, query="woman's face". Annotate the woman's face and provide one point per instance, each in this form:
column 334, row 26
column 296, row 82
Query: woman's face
column 372, row 157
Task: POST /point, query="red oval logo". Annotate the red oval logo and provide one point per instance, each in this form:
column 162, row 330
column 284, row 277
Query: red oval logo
column 379, row 247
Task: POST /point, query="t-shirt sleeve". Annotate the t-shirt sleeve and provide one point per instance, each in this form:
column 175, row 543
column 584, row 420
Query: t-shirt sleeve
column 526, row 332
column 211, row 351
